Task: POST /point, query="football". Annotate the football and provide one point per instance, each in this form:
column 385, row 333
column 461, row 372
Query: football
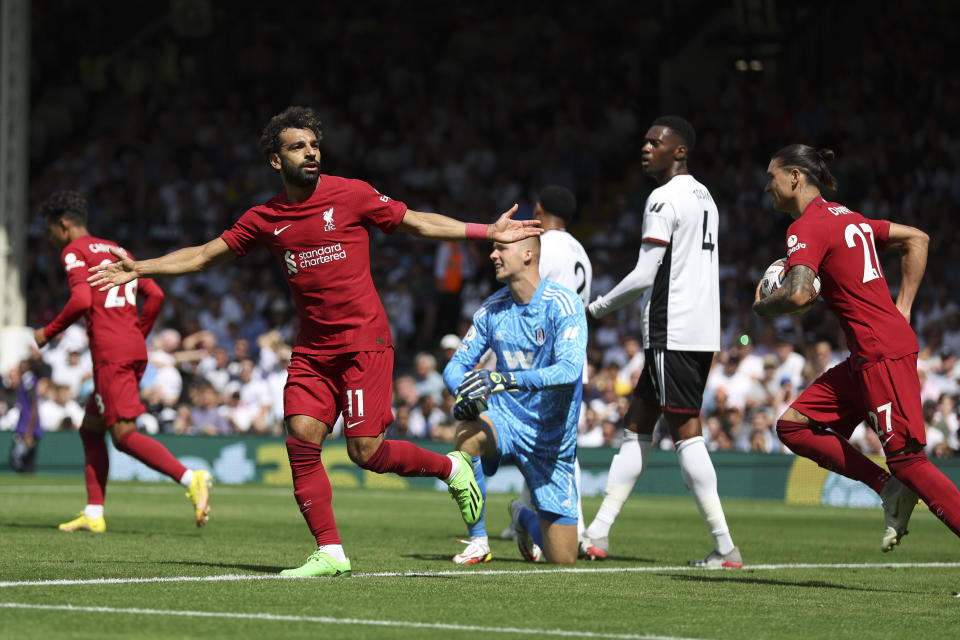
column 773, row 278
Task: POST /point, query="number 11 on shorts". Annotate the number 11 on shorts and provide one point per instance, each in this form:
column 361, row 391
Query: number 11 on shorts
column 351, row 393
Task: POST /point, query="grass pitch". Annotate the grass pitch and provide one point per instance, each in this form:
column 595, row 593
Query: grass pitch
column 811, row 571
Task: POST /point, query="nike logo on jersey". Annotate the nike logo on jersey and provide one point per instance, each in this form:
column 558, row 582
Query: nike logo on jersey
column 277, row 232
column 351, row 425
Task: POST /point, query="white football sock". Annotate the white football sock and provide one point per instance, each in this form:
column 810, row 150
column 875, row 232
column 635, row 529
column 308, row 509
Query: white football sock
column 93, row 511
column 701, row 479
column 335, row 551
column 454, row 468
column 186, row 478
column 625, row 468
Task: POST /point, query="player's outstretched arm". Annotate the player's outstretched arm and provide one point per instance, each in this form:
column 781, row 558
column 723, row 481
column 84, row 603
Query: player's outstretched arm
column 794, row 296
column 912, row 245
column 177, row 263
column 434, row 226
column 634, row 283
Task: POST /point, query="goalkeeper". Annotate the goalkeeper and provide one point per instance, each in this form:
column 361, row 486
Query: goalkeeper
column 526, row 412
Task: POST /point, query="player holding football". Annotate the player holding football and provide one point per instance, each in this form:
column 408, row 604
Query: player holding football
column 563, row 261
column 538, row 329
column 318, row 227
column 116, row 334
column 677, row 274
column 878, row 382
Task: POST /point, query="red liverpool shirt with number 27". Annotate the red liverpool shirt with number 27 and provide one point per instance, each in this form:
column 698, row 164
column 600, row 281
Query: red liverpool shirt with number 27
column 841, row 245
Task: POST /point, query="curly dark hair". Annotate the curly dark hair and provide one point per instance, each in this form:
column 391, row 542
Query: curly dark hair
column 289, row 118
column 64, row 204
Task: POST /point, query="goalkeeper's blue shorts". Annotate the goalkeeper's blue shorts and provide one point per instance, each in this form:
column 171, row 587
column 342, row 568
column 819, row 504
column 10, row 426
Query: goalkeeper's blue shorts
column 549, row 474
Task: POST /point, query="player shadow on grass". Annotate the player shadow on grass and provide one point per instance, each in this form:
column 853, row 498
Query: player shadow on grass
column 513, row 558
column 445, row 557
column 815, row 584
column 46, row 526
column 224, row 565
column 22, row 525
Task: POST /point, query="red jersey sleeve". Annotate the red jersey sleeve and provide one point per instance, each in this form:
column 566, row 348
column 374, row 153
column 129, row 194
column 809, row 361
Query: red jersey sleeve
column 881, row 232
column 807, row 244
column 244, row 235
column 77, row 305
column 153, row 300
column 80, row 293
column 377, row 209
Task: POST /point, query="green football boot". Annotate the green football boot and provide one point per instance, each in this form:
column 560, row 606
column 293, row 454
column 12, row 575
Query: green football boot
column 465, row 490
column 320, row 564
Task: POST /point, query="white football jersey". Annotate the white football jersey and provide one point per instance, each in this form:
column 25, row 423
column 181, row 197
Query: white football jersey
column 563, row 260
column 681, row 311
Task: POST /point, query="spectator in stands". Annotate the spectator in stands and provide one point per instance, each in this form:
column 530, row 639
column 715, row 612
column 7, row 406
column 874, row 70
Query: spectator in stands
column 448, row 345
column 206, row 417
column 251, row 410
column 425, row 416
column 428, row 381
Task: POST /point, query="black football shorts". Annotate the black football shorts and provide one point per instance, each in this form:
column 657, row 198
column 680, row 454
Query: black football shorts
column 674, row 380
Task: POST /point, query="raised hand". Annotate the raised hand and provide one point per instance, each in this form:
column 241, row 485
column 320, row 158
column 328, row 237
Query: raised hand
column 506, row 229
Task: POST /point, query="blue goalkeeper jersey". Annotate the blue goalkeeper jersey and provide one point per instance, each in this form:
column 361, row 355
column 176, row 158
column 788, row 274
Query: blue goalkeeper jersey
column 544, row 343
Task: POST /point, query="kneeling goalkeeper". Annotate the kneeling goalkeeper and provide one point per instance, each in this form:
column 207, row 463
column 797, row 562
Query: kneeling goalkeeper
column 538, row 331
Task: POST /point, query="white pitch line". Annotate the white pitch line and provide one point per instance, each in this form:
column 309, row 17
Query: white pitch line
column 567, row 633
column 486, row 572
column 759, row 567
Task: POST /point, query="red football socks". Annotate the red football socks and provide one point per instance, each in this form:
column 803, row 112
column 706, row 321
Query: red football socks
column 407, row 459
column 831, row 452
column 942, row 497
column 96, row 464
column 311, row 488
column 151, row 453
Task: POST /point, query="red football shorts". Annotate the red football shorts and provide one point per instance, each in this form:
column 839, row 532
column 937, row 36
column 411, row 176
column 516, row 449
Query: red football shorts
column 116, row 391
column 885, row 394
column 359, row 385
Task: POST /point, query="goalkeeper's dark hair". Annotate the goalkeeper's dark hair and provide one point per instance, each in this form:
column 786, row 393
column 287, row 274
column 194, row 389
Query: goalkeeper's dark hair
column 289, row 118
column 64, row 204
column 558, row 201
column 810, row 162
column 681, row 127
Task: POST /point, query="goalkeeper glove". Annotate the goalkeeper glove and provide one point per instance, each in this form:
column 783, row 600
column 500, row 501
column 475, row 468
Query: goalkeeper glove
column 467, row 409
column 480, row 383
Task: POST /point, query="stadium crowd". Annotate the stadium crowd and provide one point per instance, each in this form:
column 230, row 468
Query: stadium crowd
column 150, row 135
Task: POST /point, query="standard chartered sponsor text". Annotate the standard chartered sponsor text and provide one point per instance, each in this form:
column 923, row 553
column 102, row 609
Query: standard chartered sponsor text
column 321, row 255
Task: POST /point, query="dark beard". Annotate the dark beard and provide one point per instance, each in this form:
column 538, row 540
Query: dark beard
column 297, row 177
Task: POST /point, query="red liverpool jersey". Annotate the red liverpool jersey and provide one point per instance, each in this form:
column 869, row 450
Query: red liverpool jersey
column 114, row 327
column 840, row 245
column 323, row 244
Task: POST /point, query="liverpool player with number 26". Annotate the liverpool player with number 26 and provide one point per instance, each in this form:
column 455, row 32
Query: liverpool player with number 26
column 116, row 331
